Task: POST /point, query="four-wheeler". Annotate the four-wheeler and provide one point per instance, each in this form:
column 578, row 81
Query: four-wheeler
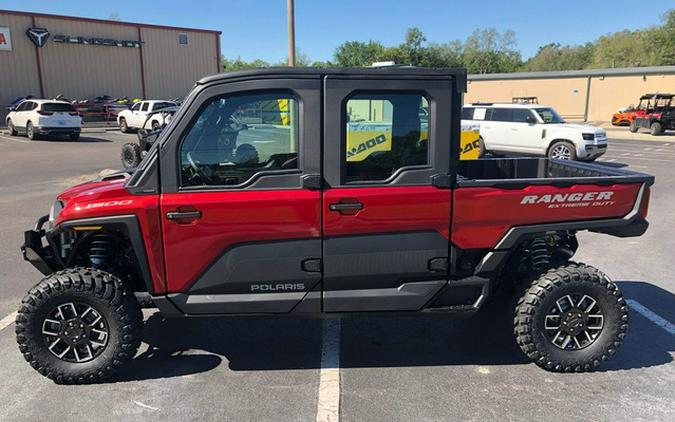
column 136, row 117
column 132, row 153
column 44, row 117
column 533, row 129
column 625, row 116
column 277, row 220
column 659, row 118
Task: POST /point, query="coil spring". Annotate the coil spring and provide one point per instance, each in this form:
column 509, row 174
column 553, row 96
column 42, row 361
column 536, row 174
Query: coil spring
column 100, row 250
column 540, row 255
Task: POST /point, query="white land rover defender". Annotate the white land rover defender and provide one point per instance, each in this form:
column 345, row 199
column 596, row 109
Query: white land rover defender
column 533, row 129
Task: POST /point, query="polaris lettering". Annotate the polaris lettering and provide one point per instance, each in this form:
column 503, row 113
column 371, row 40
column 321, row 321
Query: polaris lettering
column 260, row 288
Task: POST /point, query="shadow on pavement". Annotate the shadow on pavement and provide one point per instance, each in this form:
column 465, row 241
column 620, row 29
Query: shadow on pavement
column 180, row 347
column 611, row 164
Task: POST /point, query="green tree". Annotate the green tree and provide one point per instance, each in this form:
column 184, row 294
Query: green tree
column 358, row 54
column 488, row 51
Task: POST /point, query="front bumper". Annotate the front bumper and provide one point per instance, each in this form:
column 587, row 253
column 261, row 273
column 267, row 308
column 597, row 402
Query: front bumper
column 34, row 251
column 48, row 130
column 594, row 150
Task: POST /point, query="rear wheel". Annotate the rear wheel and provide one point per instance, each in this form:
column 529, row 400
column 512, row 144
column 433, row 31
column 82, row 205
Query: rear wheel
column 11, row 128
column 131, row 155
column 562, row 150
column 78, row 326
column 633, row 127
column 155, row 125
column 656, row 129
column 30, row 131
column 123, row 125
column 481, row 147
column 572, row 318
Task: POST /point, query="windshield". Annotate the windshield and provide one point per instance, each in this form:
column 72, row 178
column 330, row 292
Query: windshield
column 548, row 115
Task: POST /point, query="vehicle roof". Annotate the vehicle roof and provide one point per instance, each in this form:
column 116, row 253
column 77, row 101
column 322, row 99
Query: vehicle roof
column 508, row 105
column 402, row 71
column 657, row 95
column 41, row 101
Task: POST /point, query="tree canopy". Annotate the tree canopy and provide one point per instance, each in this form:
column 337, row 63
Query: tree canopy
column 491, row 51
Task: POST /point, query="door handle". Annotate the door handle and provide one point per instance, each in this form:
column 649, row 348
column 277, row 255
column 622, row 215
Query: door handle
column 183, row 215
column 346, row 206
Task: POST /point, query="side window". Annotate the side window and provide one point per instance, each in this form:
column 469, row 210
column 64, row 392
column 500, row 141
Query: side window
column 520, row 115
column 384, row 132
column 145, row 106
column 234, row 137
column 135, row 107
column 501, row 115
column 22, row 106
column 479, row 114
column 467, row 113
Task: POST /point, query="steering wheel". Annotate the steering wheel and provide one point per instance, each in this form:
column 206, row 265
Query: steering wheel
column 199, row 170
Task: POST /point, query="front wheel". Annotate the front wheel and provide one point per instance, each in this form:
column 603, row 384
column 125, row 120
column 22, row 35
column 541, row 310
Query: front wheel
column 124, row 128
column 11, row 128
column 562, row 150
column 633, row 127
column 79, row 326
column 571, row 319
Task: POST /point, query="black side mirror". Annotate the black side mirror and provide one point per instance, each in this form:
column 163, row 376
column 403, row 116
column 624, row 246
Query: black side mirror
column 530, row 120
column 11, row 109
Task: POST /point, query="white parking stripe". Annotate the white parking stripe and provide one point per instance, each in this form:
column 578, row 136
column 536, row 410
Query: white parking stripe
column 328, row 404
column 8, row 320
column 7, row 138
column 647, row 313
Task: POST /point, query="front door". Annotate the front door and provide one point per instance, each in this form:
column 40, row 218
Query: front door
column 386, row 209
column 241, row 224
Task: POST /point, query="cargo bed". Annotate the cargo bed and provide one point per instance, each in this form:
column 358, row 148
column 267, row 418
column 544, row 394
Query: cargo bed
column 519, row 172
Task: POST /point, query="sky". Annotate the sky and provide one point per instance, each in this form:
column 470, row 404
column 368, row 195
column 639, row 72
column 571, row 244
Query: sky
column 256, row 29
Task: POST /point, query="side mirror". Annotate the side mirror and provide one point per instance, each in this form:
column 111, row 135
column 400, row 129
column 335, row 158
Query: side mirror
column 11, row 109
column 530, row 120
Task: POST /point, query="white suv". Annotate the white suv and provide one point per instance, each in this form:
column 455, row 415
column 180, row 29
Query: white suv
column 44, row 117
column 136, row 116
column 533, row 129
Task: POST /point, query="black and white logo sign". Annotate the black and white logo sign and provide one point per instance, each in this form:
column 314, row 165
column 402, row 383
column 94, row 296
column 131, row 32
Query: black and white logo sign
column 39, row 36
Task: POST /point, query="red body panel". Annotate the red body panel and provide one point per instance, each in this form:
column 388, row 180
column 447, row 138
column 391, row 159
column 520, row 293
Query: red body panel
column 482, row 215
column 230, row 218
column 109, row 198
column 389, row 210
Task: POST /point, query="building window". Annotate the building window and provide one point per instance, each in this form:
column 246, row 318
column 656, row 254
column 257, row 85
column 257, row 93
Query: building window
column 384, row 133
column 182, row 39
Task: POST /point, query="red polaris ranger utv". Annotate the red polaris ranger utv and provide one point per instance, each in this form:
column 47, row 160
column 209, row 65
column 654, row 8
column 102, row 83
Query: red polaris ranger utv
column 325, row 192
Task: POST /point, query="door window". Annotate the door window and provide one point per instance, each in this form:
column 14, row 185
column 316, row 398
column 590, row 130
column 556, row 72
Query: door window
column 467, row 113
column 135, row 107
column 383, row 134
column 233, row 138
column 520, row 115
column 145, row 106
column 502, row 115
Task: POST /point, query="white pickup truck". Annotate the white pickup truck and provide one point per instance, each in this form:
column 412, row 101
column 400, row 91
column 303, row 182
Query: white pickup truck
column 136, row 116
column 533, row 129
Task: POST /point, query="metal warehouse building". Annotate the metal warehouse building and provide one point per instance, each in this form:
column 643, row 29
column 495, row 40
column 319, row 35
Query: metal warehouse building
column 46, row 55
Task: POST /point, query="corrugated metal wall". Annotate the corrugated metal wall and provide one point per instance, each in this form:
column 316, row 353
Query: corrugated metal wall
column 172, row 69
column 85, row 71
column 82, row 71
column 17, row 67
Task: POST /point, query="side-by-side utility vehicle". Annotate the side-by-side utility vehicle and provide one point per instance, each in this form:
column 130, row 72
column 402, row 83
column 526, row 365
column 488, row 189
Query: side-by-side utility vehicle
column 325, row 192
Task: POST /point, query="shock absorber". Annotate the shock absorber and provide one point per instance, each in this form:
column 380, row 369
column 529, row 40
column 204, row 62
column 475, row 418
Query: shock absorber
column 101, row 250
column 540, row 255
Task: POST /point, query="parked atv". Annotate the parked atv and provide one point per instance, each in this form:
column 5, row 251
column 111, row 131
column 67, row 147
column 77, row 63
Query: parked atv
column 133, row 153
column 658, row 119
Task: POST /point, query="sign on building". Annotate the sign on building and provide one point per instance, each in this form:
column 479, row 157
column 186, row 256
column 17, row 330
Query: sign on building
column 5, row 39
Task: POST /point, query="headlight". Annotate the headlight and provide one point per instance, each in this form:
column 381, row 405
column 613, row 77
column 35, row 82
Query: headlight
column 54, row 212
column 588, row 136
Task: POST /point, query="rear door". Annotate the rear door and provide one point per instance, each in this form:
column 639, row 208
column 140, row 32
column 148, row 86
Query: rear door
column 386, row 209
column 241, row 197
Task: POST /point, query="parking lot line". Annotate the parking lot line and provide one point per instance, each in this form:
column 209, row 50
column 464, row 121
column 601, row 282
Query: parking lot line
column 650, row 315
column 8, row 320
column 328, row 404
column 7, row 138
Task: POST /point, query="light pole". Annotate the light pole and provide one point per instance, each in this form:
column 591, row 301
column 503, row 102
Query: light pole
column 291, row 33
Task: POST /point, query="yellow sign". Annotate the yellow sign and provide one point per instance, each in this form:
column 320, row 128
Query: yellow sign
column 368, row 139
